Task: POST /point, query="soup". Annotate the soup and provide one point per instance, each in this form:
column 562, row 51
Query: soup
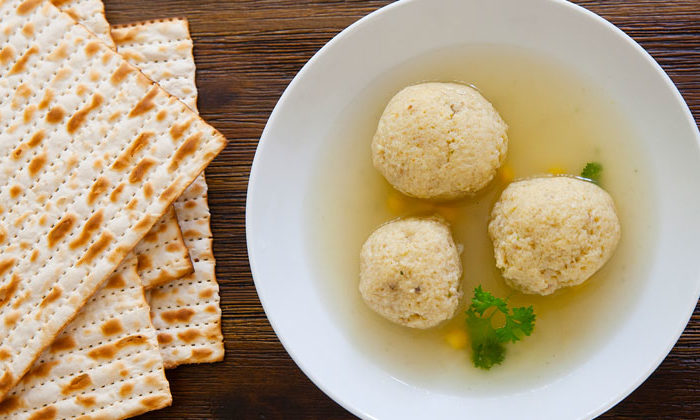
column 557, row 123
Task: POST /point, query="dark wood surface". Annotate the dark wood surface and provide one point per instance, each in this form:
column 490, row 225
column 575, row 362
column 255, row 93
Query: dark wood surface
column 247, row 51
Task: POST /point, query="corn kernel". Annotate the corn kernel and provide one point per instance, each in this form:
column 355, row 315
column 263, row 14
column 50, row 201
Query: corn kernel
column 457, row 339
column 557, row 170
column 507, row 174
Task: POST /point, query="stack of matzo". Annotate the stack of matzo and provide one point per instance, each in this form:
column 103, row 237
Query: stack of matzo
column 93, row 154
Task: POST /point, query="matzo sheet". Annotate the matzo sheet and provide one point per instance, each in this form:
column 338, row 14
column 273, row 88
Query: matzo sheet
column 163, row 256
column 90, row 13
column 92, row 154
column 185, row 312
column 105, row 364
column 162, row 253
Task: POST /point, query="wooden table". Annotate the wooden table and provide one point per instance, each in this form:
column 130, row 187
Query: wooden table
column 247, row 51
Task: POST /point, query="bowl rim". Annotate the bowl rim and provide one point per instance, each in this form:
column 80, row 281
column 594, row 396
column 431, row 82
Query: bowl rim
column 263, row 144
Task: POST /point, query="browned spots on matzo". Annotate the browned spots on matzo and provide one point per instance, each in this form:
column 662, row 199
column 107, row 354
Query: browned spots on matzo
column 148, row 190
column 79, row 117
column 36, row 139
column 154, row 402
column 55, row 115
column 28, row 114
column 172, row 247
column 177, row 130
column 165, row 338
column 8, row 290
column 6, row 381
column 211, row 309
column 62, row 74
column 46, row 100
column 96, row 249
column 177, row 315
column 5, row 265
column 108, row 351
column 92, row 47
column 118, row 254
column 200, row 354
column 10, row 405
column 27, row 6
column 116, row 281
column 103, row 352
column 111, row 327
column 11, row 318
column 46, row 413
column 206, row 294
column 97, row 189
column 18, row 152
column 125, row 390
column 120, row 74
column 86, row 401
column 170, row 193
column 59, row 53
column 23, row 91
column 196, row 189
column 189, row 336
column 93, row 223
column 122, row 37
column 146, row 223
column 114, row 195
column 6, row 53
column 144, row 262
column 160, row 116
column 139, row 172
column 152, row 236
column 145, row 104
column 140, row 142
column 115, row 116
column 22, row 299
column 53, row 295
column 131, row 57
column 152, row 381
column 165, row 276
column 72, row 162
column 22, row 62
column 34, row 256
column 80, row 90
column 40, row 371
column 131, row 205
column 189, row 147
column 61, row 229
column 59, row 3
column 62, row 344
column 15, row 191
column 28, row 30
column 36, row 164
column 4, row 354
column 76, row 384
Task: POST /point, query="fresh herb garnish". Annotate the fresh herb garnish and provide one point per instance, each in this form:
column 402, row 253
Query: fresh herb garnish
column 488, row 343
column 592, row 172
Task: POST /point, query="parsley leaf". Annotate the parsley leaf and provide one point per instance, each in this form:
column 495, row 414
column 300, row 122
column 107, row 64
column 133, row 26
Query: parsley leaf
column 488, row 343
column 592, row 172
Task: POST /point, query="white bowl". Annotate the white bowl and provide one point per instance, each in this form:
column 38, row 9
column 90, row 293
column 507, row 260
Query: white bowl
column 289, row 147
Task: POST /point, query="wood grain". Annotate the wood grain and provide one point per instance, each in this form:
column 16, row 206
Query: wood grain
column 247, row 51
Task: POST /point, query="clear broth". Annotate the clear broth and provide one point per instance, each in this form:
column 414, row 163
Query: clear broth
column 556, row 119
